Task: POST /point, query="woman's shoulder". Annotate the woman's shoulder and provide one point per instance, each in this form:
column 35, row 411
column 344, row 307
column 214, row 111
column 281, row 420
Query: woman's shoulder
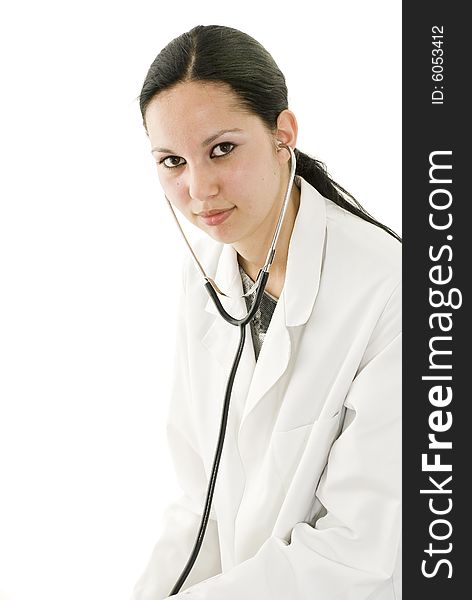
column 363, row 244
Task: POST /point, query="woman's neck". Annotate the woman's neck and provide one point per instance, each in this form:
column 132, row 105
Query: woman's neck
column 252, row 256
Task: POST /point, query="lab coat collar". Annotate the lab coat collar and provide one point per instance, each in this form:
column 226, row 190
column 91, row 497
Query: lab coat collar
column 304, row 263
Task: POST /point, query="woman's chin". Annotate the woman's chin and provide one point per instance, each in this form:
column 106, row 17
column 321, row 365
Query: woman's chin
column 222, row 237
column 222, row 234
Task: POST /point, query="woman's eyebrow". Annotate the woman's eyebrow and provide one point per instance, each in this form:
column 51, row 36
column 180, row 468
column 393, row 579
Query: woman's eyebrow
column 212, row 138
column 206, row 142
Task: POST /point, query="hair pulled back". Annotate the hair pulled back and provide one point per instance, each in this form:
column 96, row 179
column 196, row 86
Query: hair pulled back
column 222, row 54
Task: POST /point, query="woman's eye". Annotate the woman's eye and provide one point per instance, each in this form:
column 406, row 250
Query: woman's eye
column 172, row 161
column 222, row 149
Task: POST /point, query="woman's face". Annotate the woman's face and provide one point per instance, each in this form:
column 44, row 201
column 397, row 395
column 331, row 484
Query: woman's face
column 215, row 158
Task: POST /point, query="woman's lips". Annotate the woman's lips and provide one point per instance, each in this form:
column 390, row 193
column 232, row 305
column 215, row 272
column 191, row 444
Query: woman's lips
column 217, row 217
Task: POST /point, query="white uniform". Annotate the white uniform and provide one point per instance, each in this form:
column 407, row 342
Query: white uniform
column 295, row 516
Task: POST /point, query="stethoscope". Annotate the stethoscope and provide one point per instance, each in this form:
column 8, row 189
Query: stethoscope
column 213, row 291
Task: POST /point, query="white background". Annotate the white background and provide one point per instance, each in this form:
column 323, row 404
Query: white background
column 89, row 257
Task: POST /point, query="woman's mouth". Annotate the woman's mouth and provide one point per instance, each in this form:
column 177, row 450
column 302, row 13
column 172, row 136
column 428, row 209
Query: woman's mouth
column 215, row 218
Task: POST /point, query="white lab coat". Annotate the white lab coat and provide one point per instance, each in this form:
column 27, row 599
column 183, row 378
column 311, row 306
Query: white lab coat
column 295, row 516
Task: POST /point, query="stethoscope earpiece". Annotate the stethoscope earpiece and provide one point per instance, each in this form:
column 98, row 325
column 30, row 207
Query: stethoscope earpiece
column 281, row 146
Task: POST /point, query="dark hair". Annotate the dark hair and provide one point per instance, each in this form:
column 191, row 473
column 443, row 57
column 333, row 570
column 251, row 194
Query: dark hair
column 221, row 54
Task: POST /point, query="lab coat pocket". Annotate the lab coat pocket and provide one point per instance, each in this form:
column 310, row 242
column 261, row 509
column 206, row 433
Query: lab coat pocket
column 300, row 456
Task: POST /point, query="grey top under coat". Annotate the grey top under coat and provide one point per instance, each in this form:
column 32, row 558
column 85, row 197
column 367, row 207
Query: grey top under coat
column 260, row 321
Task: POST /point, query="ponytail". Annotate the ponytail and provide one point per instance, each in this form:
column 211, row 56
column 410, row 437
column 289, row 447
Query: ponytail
column 314, row 172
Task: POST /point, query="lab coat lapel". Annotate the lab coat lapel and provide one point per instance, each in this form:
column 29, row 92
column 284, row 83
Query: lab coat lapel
column 222, row 338
column 304, row 264
column 272, row 362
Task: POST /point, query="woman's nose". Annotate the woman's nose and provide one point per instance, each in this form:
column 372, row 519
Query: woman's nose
column 202, row 183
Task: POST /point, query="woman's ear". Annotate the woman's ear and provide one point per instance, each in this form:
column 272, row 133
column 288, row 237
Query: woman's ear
column 287, row 128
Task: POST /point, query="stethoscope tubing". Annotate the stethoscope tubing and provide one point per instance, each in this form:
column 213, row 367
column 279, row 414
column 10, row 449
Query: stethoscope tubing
column 213, row 291
column 214, row 472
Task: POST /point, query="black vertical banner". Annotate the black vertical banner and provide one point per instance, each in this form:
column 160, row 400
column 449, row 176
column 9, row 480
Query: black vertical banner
column 436, row 302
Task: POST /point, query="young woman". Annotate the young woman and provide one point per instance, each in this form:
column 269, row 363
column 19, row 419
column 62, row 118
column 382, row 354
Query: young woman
column 307, row 503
